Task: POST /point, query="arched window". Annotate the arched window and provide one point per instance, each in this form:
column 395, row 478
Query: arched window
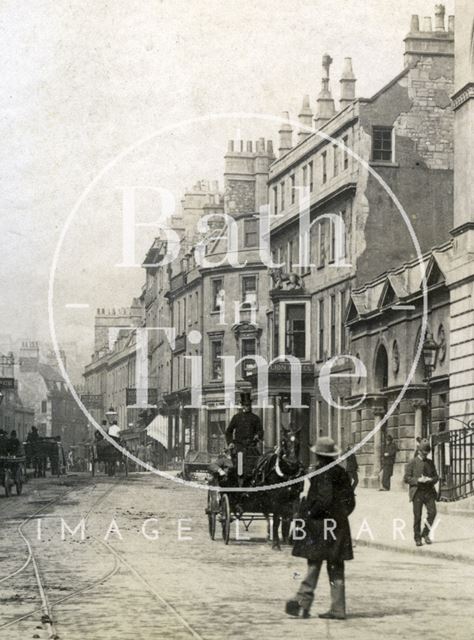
column 381, row 368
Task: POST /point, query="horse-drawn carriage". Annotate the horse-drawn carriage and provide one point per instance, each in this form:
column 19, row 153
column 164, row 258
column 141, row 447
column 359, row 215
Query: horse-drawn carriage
column 43, row 449
column 12, row 473
column 233, row 495
column 104, row 453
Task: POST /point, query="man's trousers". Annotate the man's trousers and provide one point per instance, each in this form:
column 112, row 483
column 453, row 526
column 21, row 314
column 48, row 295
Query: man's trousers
column 421, row 498
column 305, row 594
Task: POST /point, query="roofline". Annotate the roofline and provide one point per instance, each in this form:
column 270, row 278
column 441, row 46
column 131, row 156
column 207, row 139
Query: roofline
column 405, row 265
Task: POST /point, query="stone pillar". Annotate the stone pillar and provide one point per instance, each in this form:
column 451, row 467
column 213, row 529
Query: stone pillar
column 418, row 405
column 379, row 410
column 269, row 424
column 202, row 429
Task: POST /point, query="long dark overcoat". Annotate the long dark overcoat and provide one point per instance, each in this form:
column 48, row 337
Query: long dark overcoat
column 330, row 498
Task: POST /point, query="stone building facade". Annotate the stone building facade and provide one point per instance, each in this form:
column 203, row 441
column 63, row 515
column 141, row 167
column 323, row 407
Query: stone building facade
column 385, row 319
column 404, row 133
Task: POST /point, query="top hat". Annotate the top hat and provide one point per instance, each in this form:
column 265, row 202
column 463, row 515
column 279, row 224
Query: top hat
column 325, row 447
column 245, row 397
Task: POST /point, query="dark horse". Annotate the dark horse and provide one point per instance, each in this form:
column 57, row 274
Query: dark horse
column 276, row 467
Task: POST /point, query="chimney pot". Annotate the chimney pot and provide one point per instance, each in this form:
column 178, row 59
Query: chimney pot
column 415, row 24
column 439, row 17
column 305, row 118
column 347, row 72
column 286, row 134
column 427, row 26
column 230, row 145
column 451, row 23
column 270, row 147
column 249, row 146
column 347, row 82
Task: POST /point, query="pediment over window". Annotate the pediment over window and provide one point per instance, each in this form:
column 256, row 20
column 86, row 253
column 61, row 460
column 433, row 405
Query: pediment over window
column 388, row 296
column 434, row 273
column 351, row 312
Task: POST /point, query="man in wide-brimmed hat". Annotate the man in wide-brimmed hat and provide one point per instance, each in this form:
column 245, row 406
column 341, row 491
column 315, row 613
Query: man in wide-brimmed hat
column 421, row 476
column 327, row 536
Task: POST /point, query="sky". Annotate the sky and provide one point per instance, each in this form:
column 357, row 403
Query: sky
column 84, row 80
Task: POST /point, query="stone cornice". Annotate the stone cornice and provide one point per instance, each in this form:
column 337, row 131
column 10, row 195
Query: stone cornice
column 463, row 95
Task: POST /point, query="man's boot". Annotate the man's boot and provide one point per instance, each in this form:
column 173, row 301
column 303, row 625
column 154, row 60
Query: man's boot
column 338, row 602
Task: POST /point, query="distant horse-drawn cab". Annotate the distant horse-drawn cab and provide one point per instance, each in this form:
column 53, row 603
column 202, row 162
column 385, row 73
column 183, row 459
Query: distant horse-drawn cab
column 43, row 449
column 105, row 452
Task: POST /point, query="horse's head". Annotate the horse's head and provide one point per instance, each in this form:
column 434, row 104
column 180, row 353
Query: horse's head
column 290, row 445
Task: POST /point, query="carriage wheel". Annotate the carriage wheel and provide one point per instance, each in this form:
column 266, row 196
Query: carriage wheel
column 7, row 483
column 212, row 509
column 19, row 481
column 225, row 517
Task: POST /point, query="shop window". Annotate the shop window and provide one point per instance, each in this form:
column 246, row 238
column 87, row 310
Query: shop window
column 382, row 144
column 216, row 430
column 296, row 330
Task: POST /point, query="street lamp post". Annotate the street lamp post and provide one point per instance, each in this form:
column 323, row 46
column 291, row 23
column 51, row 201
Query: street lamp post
column 430, row 350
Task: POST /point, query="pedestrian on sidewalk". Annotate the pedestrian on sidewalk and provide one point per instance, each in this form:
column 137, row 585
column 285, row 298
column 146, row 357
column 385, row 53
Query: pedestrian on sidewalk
column 388, row 460
column 327, row 535
column 421, row 476
column 352, row 468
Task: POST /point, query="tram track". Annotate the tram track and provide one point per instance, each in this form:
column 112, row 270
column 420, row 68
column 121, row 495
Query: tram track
column 48, row 606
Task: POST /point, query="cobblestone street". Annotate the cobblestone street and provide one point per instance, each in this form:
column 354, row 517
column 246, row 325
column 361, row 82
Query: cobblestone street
column 132, row 587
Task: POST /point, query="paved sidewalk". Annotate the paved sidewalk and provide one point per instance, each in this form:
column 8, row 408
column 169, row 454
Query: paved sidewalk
column 384, row 519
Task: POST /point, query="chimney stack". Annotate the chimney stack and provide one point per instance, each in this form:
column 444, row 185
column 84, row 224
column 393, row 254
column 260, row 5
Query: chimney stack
column 286, row 135
column 439, row 17
column 325, row 103
column 348, row 81
column 305, row 117
column 426, row 42
column 415, row 24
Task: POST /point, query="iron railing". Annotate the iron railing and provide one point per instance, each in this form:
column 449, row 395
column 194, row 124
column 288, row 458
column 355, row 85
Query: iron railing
column 453, row 452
